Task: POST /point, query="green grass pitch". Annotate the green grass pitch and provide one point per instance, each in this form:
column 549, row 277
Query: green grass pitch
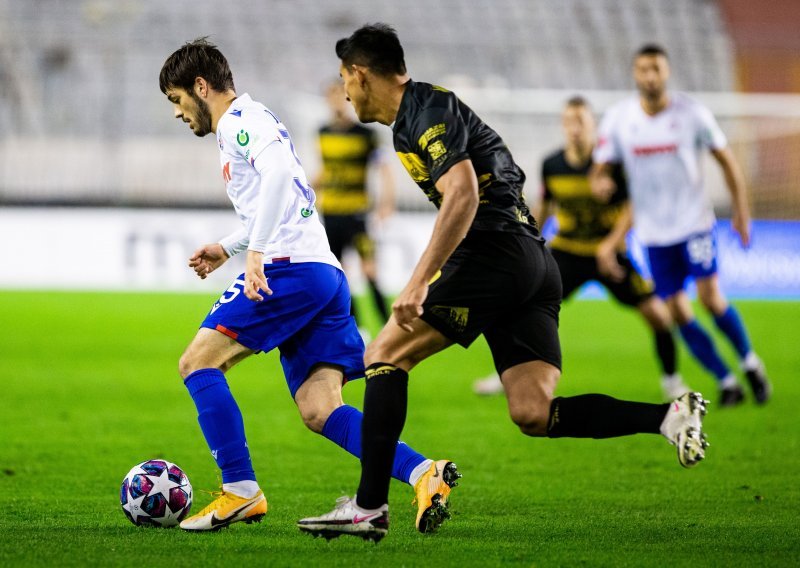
column 90, row 387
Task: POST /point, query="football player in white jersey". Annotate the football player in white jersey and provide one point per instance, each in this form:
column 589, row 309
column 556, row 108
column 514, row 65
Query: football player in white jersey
column 658, row 136
column 293, row 295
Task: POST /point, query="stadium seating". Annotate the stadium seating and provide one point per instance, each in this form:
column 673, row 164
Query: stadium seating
column 105, row 54
column 80, row 80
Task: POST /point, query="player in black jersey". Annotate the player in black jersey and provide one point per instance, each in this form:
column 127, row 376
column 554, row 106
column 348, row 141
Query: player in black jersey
column 485, row 271
column 348, row 149
column 590, row 242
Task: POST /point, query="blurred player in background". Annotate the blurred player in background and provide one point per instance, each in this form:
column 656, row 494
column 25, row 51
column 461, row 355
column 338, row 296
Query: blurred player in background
column 293, row 294
column 590, row 243
column 485, row 271
column 658, row 137
column 348, row 149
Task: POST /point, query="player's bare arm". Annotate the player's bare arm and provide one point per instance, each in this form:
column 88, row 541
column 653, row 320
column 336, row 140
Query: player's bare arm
column 607, row 249
column 459, row 189
column 734, row 179
column 602, row 182
column 207, row 259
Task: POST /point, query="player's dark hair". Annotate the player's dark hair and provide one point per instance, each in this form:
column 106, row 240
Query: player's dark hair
column 577, row 101
column 651, row 49
column 198, row 58
column 375, row 46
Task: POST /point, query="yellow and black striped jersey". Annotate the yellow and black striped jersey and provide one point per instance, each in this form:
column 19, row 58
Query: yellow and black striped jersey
column 435, row 130
column 345, row 158
column 582, row 220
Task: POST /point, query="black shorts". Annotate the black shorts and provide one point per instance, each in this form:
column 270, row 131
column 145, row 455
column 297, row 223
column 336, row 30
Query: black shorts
column 576, row 270
column 506, row 287
column 349, row 231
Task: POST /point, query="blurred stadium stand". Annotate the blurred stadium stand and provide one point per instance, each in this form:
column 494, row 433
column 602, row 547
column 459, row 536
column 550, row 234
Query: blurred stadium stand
column 82, row 120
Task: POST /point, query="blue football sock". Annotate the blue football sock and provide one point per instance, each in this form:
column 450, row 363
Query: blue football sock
column 221, row 423
column 343, row 428
column 731, row 325
column 703, row 349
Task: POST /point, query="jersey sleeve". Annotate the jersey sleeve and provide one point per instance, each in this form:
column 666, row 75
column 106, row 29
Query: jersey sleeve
column 440, row 140
column 274, row 195
column 709, row 134
column 607, row 150
column 236, row 242
column 250, row 133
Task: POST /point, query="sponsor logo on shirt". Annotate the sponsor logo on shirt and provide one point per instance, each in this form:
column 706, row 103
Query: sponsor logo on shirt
column 437, row 150
column 455, row 317
column 430, row 134
column 657, row 149
column 243, row 138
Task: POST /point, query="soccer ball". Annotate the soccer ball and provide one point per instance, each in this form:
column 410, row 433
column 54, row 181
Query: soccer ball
column 156, row 492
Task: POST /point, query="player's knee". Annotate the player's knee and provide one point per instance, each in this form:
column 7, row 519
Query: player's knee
column 714, row 302
column 681, row 311
column 407, row 359
column 192, row 361
column 375, row 353
column 186, row 365
column 656, row 314
column 315, row 415
column 531, row 419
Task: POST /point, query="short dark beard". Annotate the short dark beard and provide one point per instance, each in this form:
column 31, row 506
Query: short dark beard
column 203, row 118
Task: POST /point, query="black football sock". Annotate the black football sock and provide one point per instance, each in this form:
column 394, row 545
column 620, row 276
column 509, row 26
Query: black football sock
column 601, row 416
column 385, row 402
column 665, row 347
column 380, row 301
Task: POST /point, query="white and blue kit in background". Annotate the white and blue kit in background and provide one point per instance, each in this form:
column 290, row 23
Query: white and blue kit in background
column 308, row 315
column 661, row 154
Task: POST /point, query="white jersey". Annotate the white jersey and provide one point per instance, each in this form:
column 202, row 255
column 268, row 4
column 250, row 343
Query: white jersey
column 661, row 155
column 268, row 188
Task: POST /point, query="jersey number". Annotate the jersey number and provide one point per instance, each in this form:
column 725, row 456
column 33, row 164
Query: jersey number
column 235, row 289
column 701, row 250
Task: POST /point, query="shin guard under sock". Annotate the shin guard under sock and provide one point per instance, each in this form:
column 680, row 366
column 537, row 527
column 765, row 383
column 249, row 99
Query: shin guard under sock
column 385, row 402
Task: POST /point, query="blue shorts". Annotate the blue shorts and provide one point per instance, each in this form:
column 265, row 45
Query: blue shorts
column 671, row 265
column 307, row 318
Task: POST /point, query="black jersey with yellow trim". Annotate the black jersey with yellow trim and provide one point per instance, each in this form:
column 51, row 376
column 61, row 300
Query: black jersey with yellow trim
column 435, row 130
column 345, row 153
column 583, row 221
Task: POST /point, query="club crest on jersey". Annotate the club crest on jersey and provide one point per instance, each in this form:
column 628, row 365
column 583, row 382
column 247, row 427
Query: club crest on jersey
column 243, row 138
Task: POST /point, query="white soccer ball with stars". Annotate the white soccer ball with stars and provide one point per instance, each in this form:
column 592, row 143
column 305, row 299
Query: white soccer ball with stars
column 156, row 492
